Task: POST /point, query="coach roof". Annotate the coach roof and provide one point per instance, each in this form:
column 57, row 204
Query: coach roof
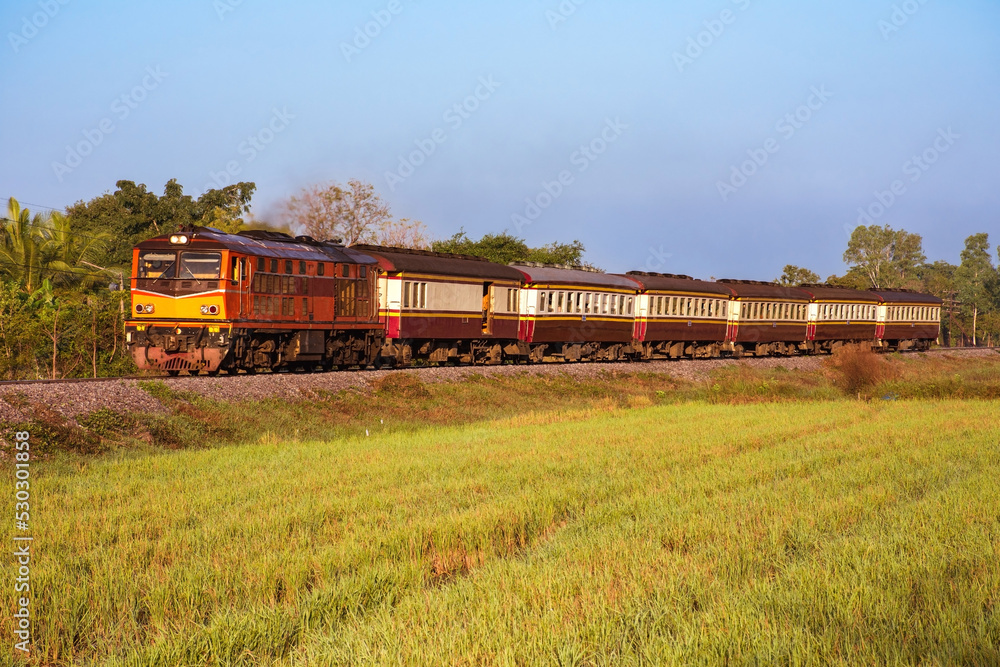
column 394, row 260
column 752, row 289
column 906, row 296
column 572, row 277
column 832, row 293
column 662, row 282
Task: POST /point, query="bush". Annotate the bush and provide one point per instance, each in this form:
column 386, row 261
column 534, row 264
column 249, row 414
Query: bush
column 857, row 369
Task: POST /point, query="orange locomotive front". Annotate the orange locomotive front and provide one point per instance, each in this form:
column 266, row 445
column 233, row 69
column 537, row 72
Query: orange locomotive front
column 205, row 301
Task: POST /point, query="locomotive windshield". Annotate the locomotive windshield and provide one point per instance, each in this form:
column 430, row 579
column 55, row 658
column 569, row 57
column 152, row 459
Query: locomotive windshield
column 157, row 264
column 200, row 265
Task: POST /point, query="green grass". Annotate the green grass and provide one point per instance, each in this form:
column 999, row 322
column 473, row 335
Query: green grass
column 834, row 532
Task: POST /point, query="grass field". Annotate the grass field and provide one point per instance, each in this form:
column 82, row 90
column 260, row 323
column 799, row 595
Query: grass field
column 832, row 532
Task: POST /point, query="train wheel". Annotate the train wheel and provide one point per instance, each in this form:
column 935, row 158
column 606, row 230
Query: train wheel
column 173, row 374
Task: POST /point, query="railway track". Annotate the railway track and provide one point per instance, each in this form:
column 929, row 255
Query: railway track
column 168, row 378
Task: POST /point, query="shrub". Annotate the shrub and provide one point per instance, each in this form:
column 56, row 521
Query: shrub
column 857, row 369
column 403, row 385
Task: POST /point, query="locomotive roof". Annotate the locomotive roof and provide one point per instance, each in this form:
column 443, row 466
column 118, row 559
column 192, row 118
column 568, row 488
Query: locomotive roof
column 832, row 293
column 424, row 261
column 906, row 296
column 265, row 244
column 752, row 289
column 549, row 275
column 672, row 283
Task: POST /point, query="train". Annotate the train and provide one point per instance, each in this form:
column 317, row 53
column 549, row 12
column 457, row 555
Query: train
column 205, row 302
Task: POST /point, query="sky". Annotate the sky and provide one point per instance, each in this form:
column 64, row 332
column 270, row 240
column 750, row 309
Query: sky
column 721, row 139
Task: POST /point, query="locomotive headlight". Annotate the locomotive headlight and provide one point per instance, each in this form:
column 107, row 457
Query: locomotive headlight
column 204, row 310
column 139, row 308
column 149, row 308
column 180, row 239
column 213, row 310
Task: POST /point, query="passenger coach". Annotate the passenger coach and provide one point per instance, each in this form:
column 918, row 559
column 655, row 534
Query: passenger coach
column 573, row 314
column 445, row 308
column 680, row 316
column 907, row 320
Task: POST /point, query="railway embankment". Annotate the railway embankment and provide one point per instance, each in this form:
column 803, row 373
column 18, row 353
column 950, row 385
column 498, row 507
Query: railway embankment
column 97, row 416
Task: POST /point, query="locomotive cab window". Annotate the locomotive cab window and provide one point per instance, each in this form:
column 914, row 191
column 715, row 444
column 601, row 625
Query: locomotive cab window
column 157, row 264
column 199, row 265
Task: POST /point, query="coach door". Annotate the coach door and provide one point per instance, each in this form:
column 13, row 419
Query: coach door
column 488, row 309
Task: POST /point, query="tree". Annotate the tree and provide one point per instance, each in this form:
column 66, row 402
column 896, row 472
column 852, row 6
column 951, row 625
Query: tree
column 889, row 258
column 504, row 248
column 976, row 279
column 21, row 246
column 353, row 214
column 67, row 254
column 224, row 209
column 558, row 253
column 794, row 276
column 37, row 248
column 132, row 214
column 404, row 233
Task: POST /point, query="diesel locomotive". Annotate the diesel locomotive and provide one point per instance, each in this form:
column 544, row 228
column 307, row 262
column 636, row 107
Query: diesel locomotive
column 204, row 301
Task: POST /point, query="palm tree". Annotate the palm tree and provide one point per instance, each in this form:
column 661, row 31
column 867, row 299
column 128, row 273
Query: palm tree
column 20, row 246
column 33, row 249
column 64, row 253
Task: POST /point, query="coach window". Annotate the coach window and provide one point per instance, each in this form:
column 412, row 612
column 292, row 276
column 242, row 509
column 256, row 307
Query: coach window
column 725, row 309
column 362, row 272
column 406, row 295
column 559, row 301
column 302, row 268
column 273, row 266
column 321, row 269
column 260, row 263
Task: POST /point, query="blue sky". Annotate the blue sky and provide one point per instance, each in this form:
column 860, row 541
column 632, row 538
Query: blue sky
column 724, row 138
